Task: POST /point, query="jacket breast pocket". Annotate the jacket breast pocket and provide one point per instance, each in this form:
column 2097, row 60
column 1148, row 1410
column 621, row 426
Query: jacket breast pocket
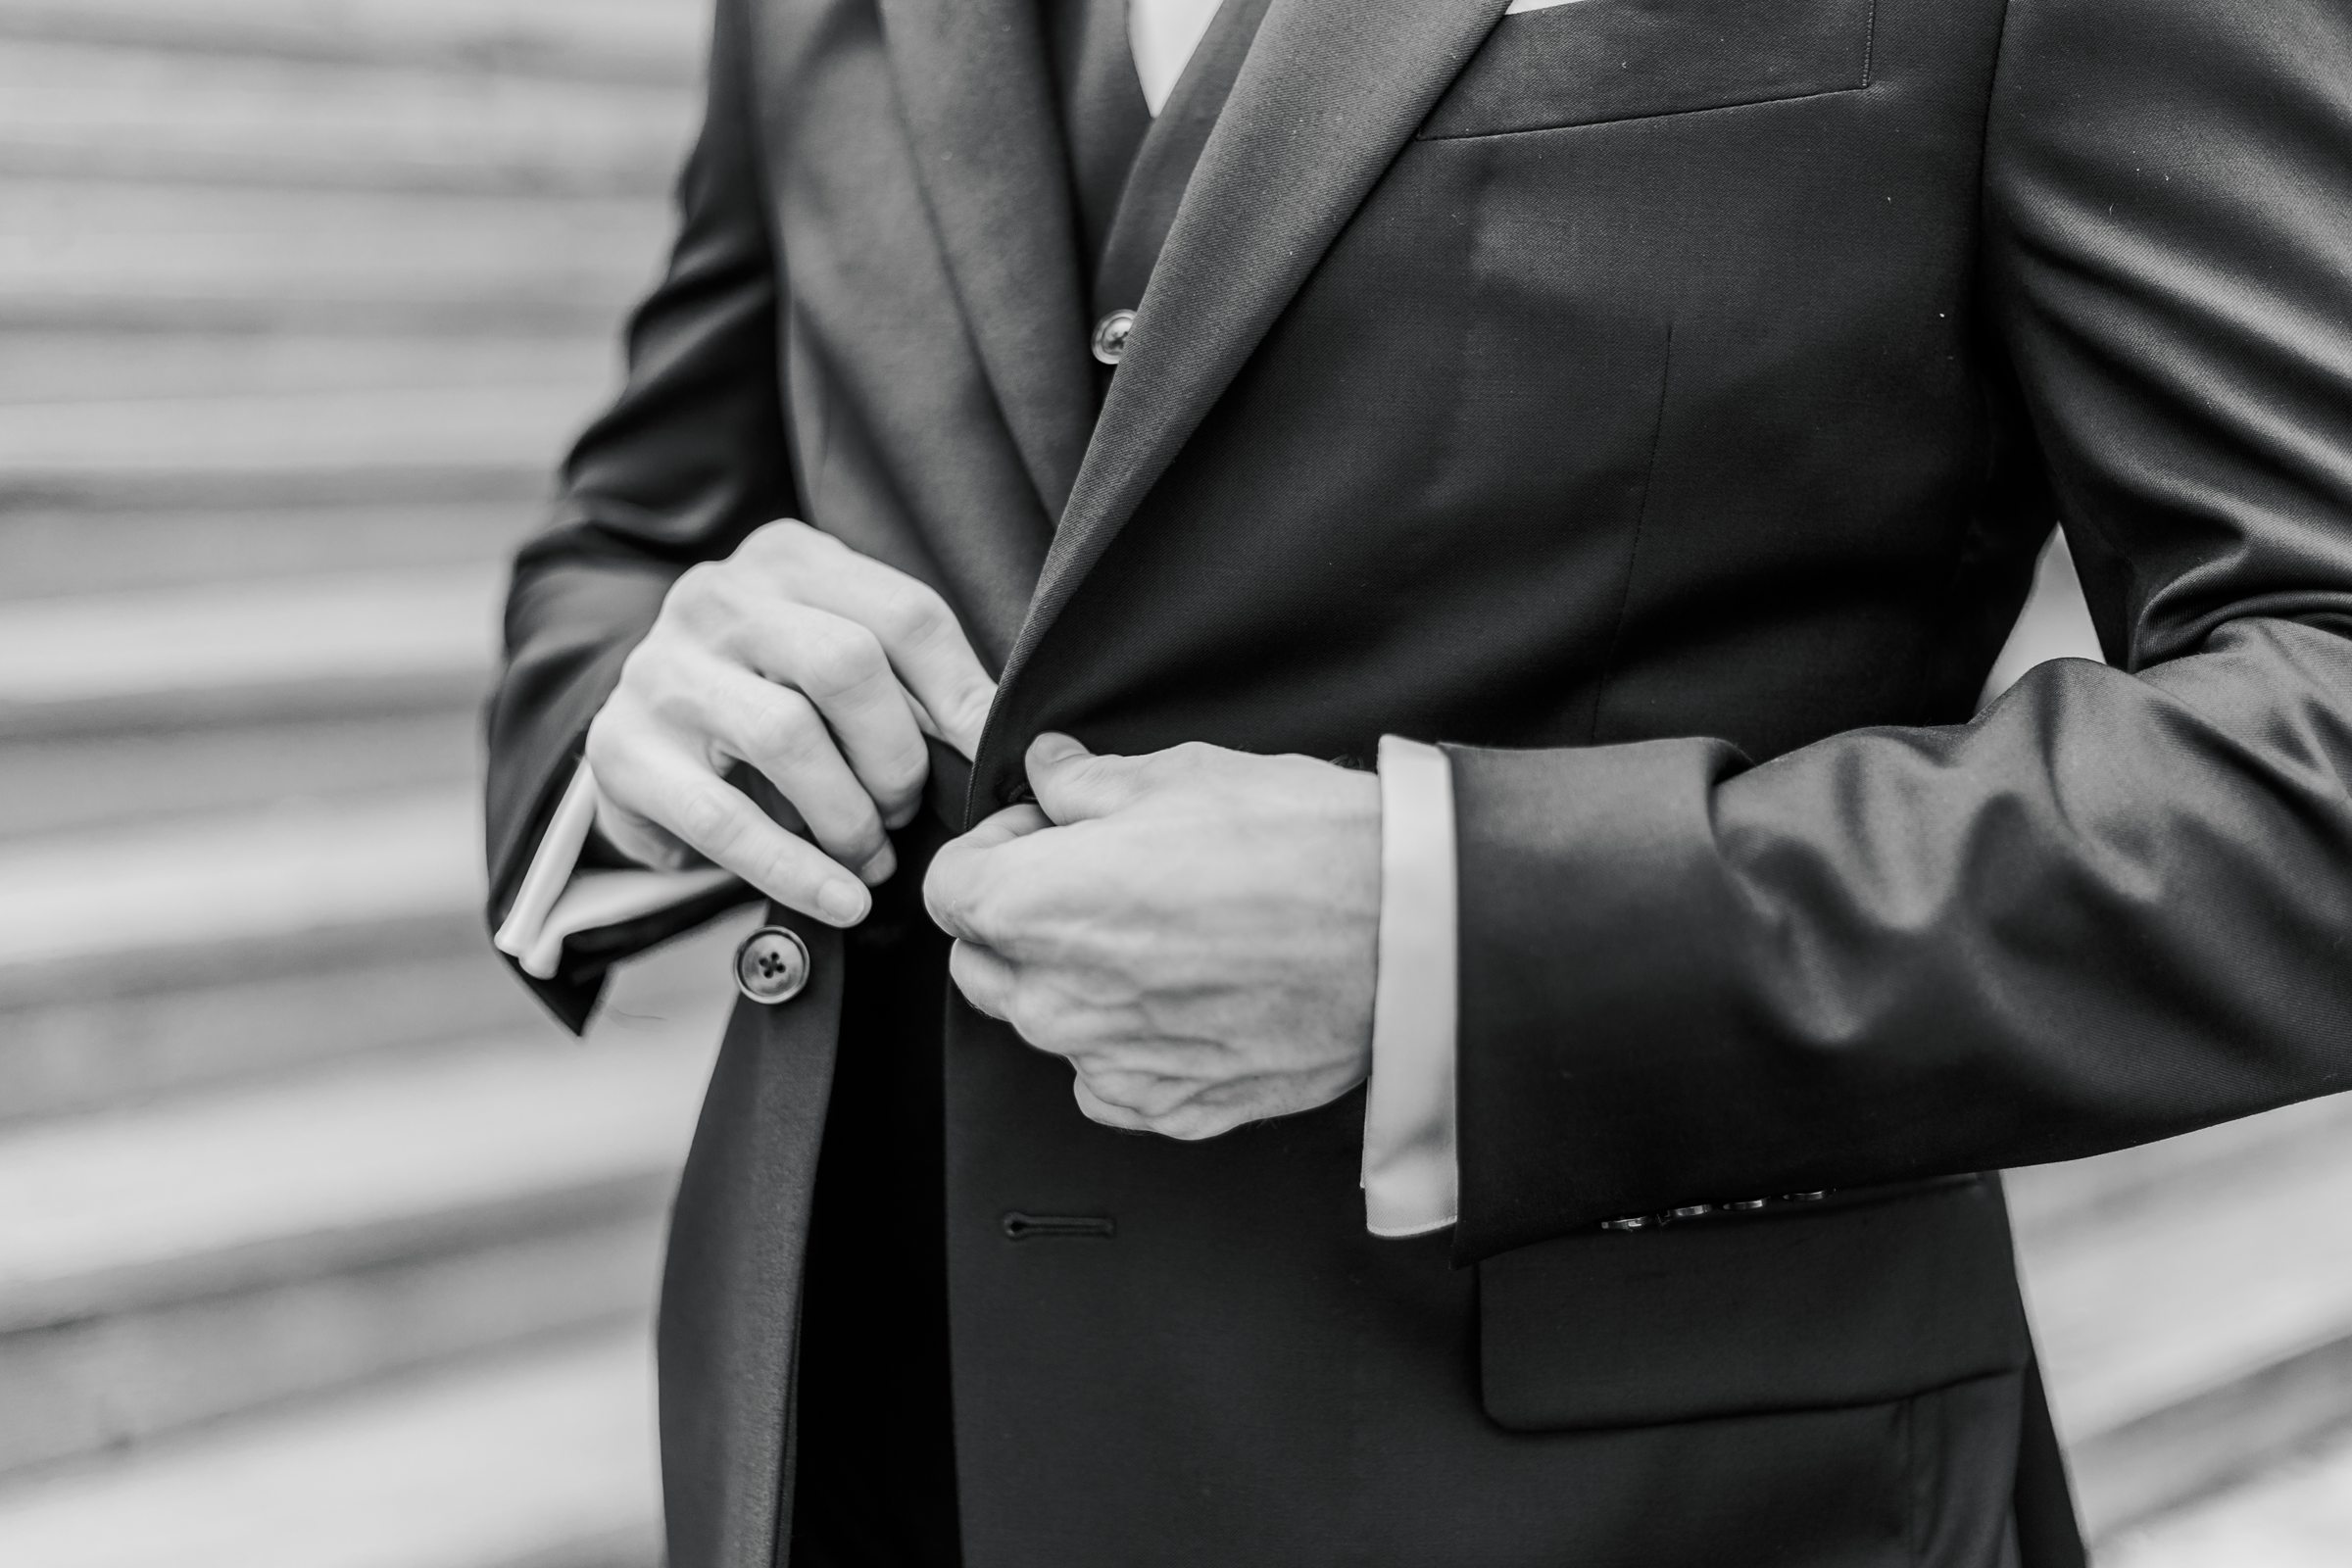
column 1859, row 1300
column 1590, row 60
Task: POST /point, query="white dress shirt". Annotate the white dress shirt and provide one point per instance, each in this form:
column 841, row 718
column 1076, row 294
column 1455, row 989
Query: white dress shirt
column 1410, row 1173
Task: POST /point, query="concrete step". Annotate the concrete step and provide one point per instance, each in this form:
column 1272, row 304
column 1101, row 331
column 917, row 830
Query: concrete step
column 328, row 887
column 543, row 1459
column 2297, row 1515
column 102, row 367
column 2193, row 1302
column 493, row 442
column 170, row 1265
column 150, row 1027
column 77, row 785
column 56, row 553
column 172, row 658
column 656, row 42
column 184, row 258
column 116, row 111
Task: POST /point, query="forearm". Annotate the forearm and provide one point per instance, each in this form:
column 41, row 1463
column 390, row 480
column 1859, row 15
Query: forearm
column 2109, row 911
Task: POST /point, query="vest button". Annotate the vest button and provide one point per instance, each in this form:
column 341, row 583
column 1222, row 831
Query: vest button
column 773, row 965
column 1110, row 336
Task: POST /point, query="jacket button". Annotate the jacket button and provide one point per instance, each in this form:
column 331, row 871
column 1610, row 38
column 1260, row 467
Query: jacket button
column 1110, row 336
column 771, row 965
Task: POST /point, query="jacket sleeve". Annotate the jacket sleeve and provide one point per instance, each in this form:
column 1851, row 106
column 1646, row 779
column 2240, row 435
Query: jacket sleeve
column 690, row 458
column 2116, row 906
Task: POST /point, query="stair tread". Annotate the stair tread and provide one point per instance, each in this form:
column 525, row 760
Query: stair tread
column 85, row 648
column 115, row 1209
column 98, row 365
column 78, row 785
column 187, row 253
column 543, row 1459
column 2213, row 1277
column 371, row 431
column 113, row 110
column 636, row 40
column 254, row 876
column 58, row 554
column 2298, row 1515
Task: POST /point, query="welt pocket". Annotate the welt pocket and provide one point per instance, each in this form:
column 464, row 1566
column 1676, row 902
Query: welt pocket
column 1593, row 61
column 1867, row 1299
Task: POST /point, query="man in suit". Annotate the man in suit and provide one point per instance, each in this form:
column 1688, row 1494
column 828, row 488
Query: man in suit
column 1147, row 1138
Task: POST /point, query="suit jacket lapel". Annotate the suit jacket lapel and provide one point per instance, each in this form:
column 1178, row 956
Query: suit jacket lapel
column 977, row 91
column 1331, row 90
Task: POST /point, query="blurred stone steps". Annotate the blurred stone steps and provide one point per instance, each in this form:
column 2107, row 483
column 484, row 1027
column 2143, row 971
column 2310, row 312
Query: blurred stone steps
column 423, row 444
column 113, row 256
column 145, row 958
column 114, row 367
column 136, row 1027
column 116, row 110
column 300, row 301
column 341, row 645
column 2298, row 1515
column 78, row 785
column 55, row 552
column 170, row 1265
column 541, row 1459
column 2193, row 1304
column 631, row 41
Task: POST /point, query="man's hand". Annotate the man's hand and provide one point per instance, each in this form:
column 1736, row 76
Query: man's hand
column 819, row 667
column 1194, row 929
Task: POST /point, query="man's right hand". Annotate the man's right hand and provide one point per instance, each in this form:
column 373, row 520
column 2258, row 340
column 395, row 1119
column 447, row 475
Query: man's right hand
column 819, row 667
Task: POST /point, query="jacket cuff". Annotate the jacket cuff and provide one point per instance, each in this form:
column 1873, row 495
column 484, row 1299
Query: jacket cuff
column 1594, row 1012
column 1410, row 1175
column 558, row 901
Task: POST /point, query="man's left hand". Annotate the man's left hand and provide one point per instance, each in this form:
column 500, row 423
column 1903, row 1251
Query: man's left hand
column 1194, row 929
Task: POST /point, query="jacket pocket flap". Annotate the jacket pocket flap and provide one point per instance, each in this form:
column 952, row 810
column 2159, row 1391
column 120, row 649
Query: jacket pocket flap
column 1603, row 60
column 1862, row 1298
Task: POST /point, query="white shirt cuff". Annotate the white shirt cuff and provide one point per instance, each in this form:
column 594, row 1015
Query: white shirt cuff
column 1411, row 1178
column 557, row 900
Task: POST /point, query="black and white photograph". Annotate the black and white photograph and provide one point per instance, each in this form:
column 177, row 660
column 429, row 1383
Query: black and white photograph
column 1175, row 784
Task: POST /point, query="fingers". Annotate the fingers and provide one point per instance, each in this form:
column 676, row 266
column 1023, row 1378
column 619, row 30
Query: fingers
column 967, row 870
column 919, row 634
column 721, row 823
column 985, row 979
column 1075, row 785
column 842, row 669
column 780, row 732
column 1100, row 1110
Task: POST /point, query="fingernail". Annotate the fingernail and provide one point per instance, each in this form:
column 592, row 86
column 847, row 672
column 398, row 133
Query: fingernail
column 1052, row 747
column 876, row 871
column 841, row 903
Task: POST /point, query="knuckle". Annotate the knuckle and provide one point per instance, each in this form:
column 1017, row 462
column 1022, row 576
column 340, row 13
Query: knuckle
column 783, row 732
column 603, row 741
column 779, row 539
column 839, row 659
column 697, row 594
column 901, row 781
column 911, row 612
column 701, row 816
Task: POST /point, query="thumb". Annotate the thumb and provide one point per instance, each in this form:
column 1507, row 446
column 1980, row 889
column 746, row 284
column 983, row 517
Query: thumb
column 1073, row 784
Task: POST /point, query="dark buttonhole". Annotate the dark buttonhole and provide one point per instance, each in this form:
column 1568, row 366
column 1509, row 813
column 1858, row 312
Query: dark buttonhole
column 1026, row 1227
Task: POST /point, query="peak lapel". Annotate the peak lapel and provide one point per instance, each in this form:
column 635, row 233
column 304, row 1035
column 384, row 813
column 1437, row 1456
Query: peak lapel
column 977, row 91
column 1331, row 90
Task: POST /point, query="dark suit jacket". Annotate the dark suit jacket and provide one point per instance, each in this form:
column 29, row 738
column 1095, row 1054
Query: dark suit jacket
column 1660, row 401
